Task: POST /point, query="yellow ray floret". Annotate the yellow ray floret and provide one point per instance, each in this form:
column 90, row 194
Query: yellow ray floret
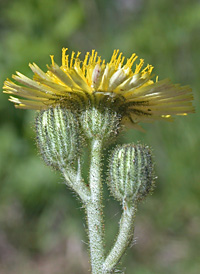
column 116, row 84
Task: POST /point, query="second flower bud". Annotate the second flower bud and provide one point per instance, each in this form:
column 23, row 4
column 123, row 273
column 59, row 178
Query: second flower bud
column 131, row 173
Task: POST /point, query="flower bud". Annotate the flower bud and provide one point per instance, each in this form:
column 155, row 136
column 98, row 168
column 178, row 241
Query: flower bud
column 57, row 136
column 131, row 172
column 100, row 124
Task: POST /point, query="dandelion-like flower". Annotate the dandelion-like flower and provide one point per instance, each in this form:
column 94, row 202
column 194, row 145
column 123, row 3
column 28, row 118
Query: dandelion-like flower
column 129, row 91
column 84, row 104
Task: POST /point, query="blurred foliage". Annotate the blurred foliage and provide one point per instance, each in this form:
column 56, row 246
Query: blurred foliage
column 41, row 222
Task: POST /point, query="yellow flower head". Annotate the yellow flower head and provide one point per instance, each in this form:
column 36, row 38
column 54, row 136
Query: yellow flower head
column 116, row 84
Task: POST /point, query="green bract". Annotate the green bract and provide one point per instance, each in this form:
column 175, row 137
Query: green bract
column 131, row 172
column 57, row 136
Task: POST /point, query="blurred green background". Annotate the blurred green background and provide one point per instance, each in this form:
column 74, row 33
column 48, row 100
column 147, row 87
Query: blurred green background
column 42, row 227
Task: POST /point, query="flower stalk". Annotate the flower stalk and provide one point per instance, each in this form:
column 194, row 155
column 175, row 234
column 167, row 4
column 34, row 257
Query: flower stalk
column 94, row 209
column 124, row 238
column 75, row 181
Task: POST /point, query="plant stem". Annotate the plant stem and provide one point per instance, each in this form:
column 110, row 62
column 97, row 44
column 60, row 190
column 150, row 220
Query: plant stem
column 94, row 209
column 124, row 238
column 75, row 181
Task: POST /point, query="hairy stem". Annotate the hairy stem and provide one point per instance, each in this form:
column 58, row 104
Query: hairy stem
column 94, row 210
column 75, row 181
column 124, row 238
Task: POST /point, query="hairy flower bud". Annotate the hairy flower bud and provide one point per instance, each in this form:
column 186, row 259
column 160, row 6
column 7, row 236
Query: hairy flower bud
column 100, row 123
column 131, row 172
column 57, row 136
